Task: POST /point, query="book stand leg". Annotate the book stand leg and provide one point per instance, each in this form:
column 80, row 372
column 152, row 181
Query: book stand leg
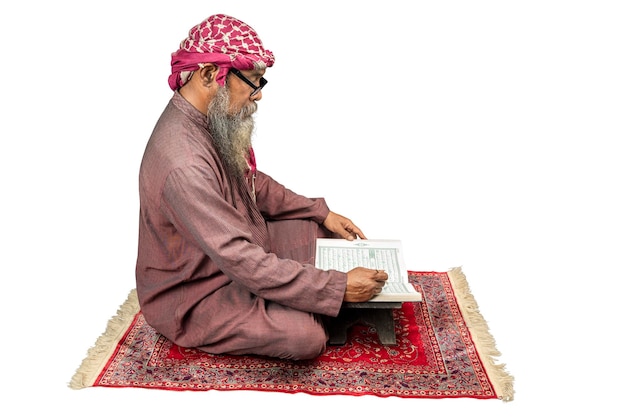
column 376, row 314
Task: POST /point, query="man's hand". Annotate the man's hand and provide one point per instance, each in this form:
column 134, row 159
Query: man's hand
column 363, row 284
column 342, row 226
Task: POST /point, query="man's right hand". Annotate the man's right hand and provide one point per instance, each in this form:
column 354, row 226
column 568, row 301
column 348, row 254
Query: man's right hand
column 363, row 284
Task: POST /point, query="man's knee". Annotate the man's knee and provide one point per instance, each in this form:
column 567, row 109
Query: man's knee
column 306, row 342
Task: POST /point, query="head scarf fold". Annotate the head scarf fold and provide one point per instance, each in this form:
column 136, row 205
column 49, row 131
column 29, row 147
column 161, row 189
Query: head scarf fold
column 221, row 40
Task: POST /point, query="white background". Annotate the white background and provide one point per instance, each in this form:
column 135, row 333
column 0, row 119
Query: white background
column 484, row 134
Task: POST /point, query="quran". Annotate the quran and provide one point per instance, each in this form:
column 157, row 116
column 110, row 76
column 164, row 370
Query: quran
column 382, row 254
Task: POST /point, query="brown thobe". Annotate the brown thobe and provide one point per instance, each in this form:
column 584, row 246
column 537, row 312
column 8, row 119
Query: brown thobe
column 218, row 270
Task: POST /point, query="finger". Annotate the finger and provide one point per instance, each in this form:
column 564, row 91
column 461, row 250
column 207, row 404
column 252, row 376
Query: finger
column 356, row 231
column 380, row 276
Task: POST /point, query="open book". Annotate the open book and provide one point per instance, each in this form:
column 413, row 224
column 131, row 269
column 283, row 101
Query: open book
column 386, row 255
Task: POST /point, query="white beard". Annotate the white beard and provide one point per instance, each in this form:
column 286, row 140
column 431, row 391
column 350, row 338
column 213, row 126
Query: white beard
column 232, row 134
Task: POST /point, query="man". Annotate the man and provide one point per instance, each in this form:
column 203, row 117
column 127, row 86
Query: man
column 226, row 253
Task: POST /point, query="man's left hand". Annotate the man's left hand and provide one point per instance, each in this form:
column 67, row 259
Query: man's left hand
column 342, row 226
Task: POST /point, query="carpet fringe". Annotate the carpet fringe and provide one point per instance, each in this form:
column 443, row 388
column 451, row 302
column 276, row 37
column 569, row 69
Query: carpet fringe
column 98, row 354
column 485, row 343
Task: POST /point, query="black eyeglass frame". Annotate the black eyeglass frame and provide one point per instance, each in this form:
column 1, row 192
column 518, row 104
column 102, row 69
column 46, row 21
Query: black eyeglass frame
column 255, row 88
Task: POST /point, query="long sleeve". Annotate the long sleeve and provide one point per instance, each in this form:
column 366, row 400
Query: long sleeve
column 201, row 214
column 277, row 202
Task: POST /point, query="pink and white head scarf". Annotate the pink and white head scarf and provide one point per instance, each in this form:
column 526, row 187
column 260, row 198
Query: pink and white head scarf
column 221, row 40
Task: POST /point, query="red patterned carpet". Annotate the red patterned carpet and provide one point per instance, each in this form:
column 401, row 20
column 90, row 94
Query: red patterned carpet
column 443, row 350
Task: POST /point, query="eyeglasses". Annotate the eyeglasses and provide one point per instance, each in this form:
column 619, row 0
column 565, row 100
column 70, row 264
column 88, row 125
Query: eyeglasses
column 255, row 88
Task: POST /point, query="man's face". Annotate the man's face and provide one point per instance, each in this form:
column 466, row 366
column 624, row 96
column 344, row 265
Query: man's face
column 229, row 117
column 240, row 90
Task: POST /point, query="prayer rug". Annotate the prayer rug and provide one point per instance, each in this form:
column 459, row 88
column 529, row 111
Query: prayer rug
column 444, row 350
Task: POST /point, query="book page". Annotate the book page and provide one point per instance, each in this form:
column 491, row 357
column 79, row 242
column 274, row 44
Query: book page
column 344, row 255
column 386, row 255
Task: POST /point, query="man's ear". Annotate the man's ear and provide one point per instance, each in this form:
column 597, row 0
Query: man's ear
column 207, row 73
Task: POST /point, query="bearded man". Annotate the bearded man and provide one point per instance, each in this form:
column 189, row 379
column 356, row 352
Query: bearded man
column 226, row 253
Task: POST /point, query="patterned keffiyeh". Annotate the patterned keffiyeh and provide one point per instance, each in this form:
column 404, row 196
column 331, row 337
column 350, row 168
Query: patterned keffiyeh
column 224, row 41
